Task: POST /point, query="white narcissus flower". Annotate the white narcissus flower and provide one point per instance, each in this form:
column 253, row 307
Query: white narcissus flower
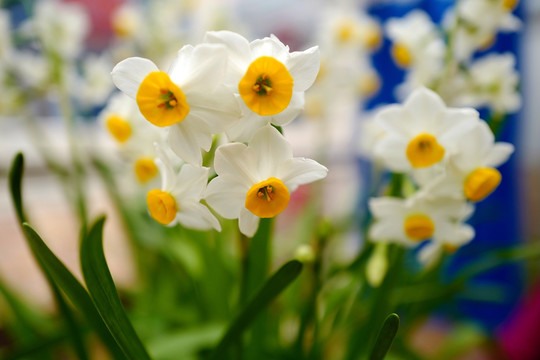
column 256, row 181
column 189, row 99
column 413, row 220
column 416, row 42
column 95, row 84
column 494, row 83
column 133, row 135
column 268, row 80
column 179, row 199
column 471, row 170
column 62, row 27
column 420, row 133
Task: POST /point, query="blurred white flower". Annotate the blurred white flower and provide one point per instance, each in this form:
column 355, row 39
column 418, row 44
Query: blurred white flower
column 413, row 220
column 178, row 200
column 94, row 84
column 416, row 42
column 268, row 80
column 493, row 82
column 6, row 45
column 256, row 181
column 471, row 170
column 62, row 27
column 419, row 132
column 474, row 24
column 190, row 99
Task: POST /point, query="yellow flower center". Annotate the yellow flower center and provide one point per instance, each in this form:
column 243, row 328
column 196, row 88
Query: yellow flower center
column 419, row 227
column 145, row 169
column 481, row 182
column 123, row 24
column 345, row 31
column 510, row 4
column 401, row 55
column 372, row 37
column 266, row 87
column 369, row 84
column 162, row 206
column 161, row 101
column 267, row 198
column 119, row 128
column 424, row 151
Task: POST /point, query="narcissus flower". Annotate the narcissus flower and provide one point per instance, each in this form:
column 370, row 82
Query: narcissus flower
column 178, row 200
column 471, row 171
column 268, row 80
column 413, row 220
column 189, row 99
column 420, row 132
column 256, row 181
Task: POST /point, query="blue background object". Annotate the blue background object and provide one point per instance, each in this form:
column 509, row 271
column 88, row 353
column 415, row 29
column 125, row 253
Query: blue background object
column 497, row 218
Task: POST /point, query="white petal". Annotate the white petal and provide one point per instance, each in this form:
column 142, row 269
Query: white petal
column 226, row 198
column 499, row 154
column 200, row 68
column 238, row 47
column 271, row 148
column 304, row 67
column 298, row 171
column 426, row 106
column 219, row 110
column 128, row 74
column 237, row 163
column 248, row 223
column 429, row 253
column 394, row 119
column 290, row 113
column 392, row 150
column 386, row 231
column 183, row 142
column 191, row 182
column 269, row 46
column 383, row 207
column 195, row 215
column 168, row 177
column 248, row 124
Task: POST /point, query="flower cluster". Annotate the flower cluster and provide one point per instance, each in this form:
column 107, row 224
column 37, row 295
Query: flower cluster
column 451, row 157
column 225, row 90
column 446, row 59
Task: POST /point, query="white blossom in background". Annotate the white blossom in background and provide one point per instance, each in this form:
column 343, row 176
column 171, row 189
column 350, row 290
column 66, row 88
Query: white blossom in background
column 475, row 24
column 268, row 80
column 255, row 181
column 61, row 27
column 493, row 82
column 6, row 44
column 421, row 132
column 189, row 100
column 471, row 172
column 416, row 42
column 179, row 198
column 133, row 137
column 94, row 84
column 416, row 219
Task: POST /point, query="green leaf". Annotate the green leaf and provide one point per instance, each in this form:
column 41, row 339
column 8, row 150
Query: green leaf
column 15, row 181
column 57, row 274
column 272, row 288
column 181, row 344
column 385, row 338
column 104, row 294
column 72, row 288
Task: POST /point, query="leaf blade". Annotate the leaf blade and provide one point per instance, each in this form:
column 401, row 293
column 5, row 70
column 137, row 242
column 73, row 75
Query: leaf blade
column 386, row 336
column 104, row 294
column 273, row 287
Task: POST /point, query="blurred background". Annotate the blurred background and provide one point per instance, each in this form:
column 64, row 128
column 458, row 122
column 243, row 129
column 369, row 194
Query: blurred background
column 93, row 35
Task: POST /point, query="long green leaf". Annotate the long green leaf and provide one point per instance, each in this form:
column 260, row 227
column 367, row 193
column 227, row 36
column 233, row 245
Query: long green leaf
column 104, row 294
column 72, row 288
column 272, row 288
column 385, row 338
column 57, row 274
